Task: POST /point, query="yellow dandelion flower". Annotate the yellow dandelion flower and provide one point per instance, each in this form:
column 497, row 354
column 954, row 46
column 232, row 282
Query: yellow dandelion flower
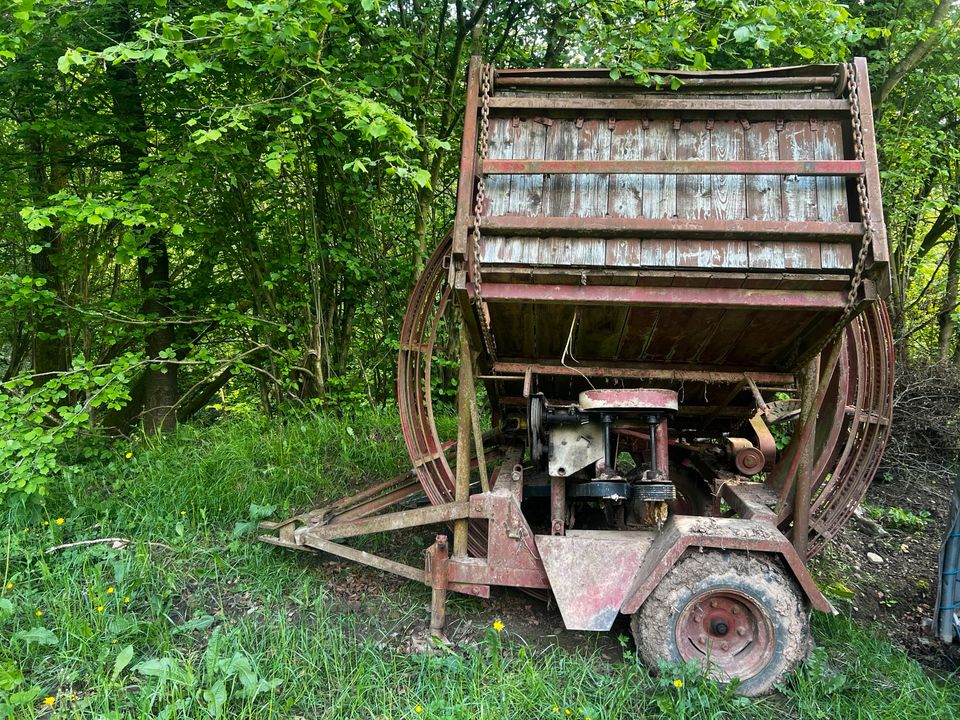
column 567, row 711
column 49, row 700
column 99, row 608
column 678, row 683
column 183, row 513
column 46, row 522
column 418, row 709
column 126, row 599
column 26, row 529
column 128, row 455
column 59, row 521
column 498, row 626
column 556, row 708
column 38, row 613
column 9, row 586
column 110, row 590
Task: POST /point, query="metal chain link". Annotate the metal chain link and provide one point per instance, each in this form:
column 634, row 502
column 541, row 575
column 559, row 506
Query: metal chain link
column 853, row 89
column 486, row 84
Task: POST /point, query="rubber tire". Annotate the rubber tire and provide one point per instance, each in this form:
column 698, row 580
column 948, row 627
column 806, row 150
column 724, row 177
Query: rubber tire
column 772, row 590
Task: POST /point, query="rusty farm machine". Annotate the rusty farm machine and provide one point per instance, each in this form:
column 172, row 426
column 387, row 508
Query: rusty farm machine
column 671, row 301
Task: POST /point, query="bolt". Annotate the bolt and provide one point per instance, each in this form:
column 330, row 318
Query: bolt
column 713, row 603
column 703, row 638
column 724, row 646
column 741, row 631
column 735, row 610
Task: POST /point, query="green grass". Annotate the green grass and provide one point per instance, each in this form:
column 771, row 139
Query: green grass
column 222, row 626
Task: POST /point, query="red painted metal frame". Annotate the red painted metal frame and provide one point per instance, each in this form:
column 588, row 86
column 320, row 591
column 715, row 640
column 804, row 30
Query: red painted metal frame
column 846, row 168
column 666, row 296
column 639, row 371
column 739, row 105
column 669, row 228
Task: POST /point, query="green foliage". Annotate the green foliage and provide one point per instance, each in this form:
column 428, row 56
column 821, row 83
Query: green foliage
column 898, row 518
column 231, row 201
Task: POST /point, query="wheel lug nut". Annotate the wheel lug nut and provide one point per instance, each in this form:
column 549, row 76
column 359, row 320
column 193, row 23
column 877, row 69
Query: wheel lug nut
column 713, row 603
column 703, row 638
column 723, row 646
column 735, row 611
column 741, row 631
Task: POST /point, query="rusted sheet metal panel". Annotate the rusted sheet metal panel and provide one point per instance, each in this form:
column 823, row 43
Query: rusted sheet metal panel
column 590, row 575
column 683, row 532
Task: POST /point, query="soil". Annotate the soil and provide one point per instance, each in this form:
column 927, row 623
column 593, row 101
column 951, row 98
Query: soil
column 895, row 597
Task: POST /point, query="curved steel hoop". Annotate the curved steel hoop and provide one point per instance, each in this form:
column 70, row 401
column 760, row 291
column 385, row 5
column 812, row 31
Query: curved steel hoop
column 427, row 312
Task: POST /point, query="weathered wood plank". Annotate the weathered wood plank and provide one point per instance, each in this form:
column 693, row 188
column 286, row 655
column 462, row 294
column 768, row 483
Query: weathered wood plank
column 658, row 253
column 836, row 256
column 592, row 191
column 831, row 191
column 728, row 191
column 623, row 252
column 801, row 255
column 599, row 333
column 526, row 192
column 797, row 142
column 694, row 197
column 572, row 251
column 659, row 193
column 626, row 191
column 499, row 146
column 558, row 190
column 832, row 195
column 712, row 253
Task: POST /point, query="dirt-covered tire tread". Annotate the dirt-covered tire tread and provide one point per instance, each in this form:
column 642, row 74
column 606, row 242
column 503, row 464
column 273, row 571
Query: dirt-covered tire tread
column 771, row 588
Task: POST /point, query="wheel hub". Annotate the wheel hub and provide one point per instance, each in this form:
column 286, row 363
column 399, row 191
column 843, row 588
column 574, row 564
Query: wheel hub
column 728, row 630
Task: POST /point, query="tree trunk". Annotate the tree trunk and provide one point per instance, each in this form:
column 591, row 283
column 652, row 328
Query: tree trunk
column 49, row 346
column 160, row 385
column 949, row 303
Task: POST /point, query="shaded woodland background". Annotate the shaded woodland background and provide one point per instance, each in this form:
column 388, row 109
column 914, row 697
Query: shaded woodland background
column 225, row 202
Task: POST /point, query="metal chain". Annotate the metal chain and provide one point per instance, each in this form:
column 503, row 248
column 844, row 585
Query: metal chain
column 486, row 84
column 853, row 90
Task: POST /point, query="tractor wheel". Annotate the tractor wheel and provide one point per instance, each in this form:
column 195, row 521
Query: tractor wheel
column 738, row 615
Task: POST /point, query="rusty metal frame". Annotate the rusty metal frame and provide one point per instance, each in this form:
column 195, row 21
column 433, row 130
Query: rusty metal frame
column 592, row 227
column 716, row 297
column 639, row 371
column 843, row 168
column 584, row 105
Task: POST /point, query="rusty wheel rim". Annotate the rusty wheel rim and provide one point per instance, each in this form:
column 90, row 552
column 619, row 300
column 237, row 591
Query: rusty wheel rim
column 728, row 631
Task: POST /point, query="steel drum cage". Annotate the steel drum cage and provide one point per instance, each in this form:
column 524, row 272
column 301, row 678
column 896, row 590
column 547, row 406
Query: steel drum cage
column 721, row 246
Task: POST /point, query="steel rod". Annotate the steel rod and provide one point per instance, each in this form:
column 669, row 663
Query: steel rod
column 462, row 478
column 804, row 482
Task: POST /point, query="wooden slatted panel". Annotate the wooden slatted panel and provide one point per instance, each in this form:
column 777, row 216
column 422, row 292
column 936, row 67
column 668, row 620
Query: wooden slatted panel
column 714, row 197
